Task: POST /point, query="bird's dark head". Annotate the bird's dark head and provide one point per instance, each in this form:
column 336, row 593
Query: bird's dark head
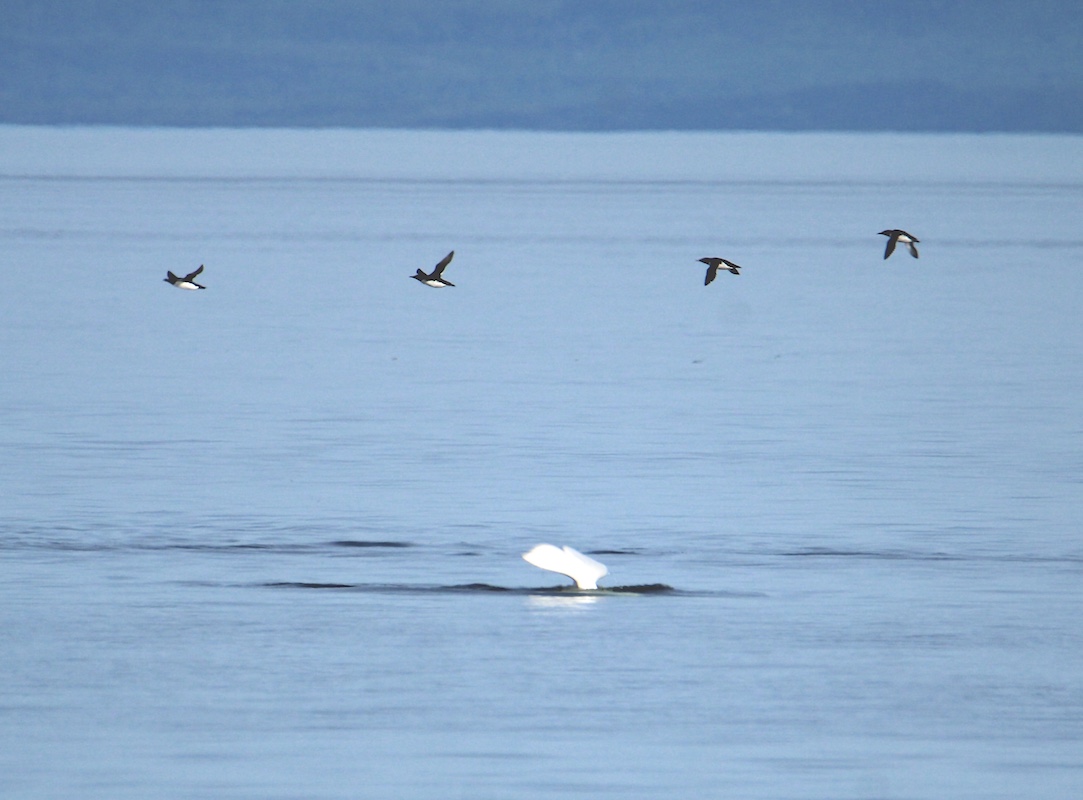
column 886, row 233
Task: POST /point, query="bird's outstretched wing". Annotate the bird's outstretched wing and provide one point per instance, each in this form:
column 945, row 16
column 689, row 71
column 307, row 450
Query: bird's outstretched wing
column 170, row 276
column 191, row 275
column 439, row 268
column 712, row 271
column 892, row 240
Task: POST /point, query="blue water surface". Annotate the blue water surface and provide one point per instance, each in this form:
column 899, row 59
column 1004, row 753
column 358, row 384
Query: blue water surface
column 263, row 540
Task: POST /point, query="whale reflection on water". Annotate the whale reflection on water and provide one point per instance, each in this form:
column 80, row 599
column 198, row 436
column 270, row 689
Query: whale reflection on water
column 560, row 601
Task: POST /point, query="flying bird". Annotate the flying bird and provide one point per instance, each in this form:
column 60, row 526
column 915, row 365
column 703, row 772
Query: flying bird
column 894, row 236
column 187, row 282
column 713, row 265
column 584, row 570
column 435, row 278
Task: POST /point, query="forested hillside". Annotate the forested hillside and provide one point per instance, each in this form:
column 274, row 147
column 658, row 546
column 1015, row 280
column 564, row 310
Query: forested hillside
column 576, row 65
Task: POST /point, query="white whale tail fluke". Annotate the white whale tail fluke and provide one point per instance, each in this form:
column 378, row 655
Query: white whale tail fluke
column 584, row 570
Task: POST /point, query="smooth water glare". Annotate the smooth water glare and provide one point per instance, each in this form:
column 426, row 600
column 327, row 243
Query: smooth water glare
column 264, row 540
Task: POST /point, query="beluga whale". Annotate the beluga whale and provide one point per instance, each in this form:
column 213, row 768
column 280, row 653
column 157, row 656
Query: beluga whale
column 584, row 570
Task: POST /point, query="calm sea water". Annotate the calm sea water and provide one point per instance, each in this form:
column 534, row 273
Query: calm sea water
column 263, row 541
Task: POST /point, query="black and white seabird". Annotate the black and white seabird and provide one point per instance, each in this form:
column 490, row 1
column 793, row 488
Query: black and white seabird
column 713, row 265
column 187, row 282
column 584, row 570
column 435, row 278
column 894, row 236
